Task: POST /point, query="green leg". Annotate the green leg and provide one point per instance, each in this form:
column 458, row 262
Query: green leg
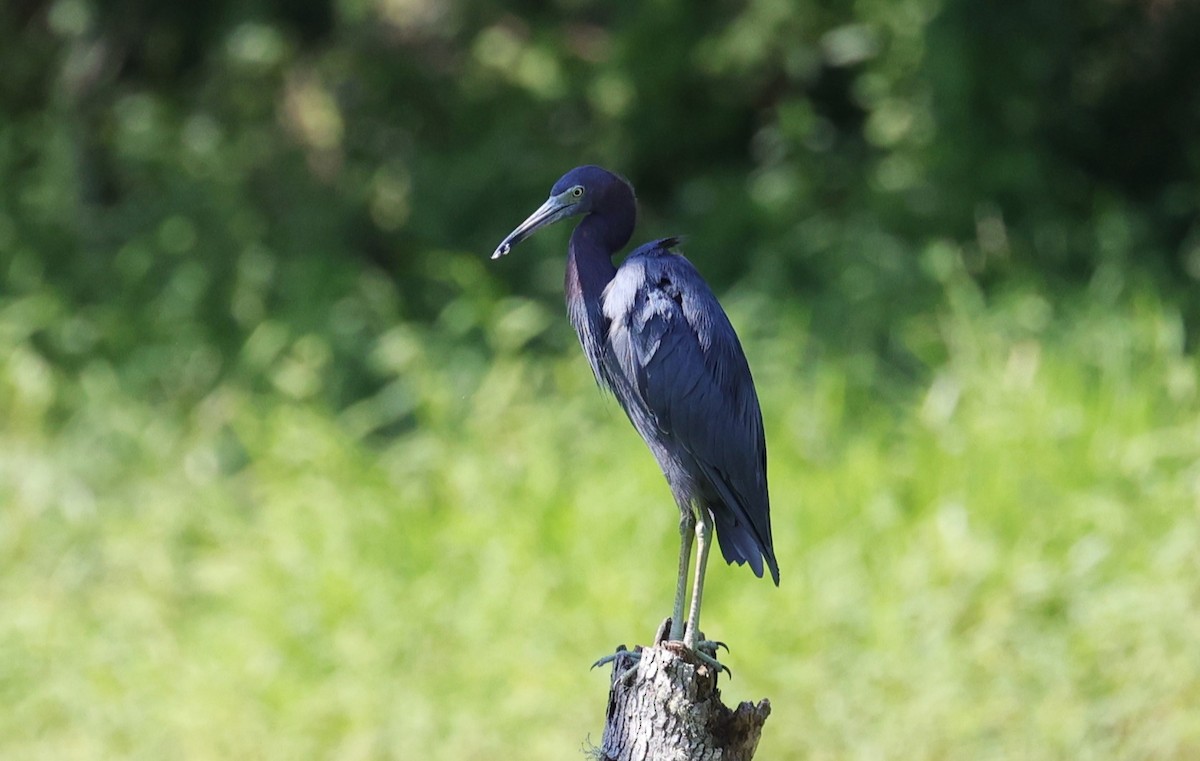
column 687, row 527
column 704, row 532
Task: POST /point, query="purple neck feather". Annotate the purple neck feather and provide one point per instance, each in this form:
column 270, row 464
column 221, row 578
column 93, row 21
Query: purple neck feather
column 595, row 239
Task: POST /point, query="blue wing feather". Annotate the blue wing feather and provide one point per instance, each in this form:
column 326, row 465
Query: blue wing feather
column 674, row 362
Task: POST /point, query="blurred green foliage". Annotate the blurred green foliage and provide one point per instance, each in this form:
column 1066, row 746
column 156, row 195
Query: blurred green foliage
column 1002, row 563
column 289, row 469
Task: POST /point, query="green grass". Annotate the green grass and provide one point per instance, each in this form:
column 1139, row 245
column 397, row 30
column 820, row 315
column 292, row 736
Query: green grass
column 997, row 557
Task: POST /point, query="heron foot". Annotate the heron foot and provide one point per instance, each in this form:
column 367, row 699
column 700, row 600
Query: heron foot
column 705, row 649
column 710, row 646
column 635, row 655
column 627, row 660
column 619, row 659
column 706, row 652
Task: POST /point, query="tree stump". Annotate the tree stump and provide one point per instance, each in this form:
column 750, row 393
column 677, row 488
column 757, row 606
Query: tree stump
column 670, row 710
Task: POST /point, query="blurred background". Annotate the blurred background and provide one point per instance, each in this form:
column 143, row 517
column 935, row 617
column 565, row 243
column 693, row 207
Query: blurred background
column 290, row 469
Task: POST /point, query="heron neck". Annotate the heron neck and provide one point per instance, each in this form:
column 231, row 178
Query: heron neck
column 589, row 271
column 589, row 264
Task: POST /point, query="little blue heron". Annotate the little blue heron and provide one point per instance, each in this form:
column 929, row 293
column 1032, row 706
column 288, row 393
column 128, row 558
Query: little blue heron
column 657, row 339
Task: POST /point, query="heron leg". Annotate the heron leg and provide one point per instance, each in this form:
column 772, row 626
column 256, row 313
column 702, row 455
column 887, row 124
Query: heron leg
column 704, row 532
column 687, row 529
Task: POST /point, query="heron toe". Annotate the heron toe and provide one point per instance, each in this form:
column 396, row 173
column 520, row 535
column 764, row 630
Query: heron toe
column 706, row 652
column 622, row 657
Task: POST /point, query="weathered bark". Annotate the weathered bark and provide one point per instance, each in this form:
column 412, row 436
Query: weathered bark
column 670, row 710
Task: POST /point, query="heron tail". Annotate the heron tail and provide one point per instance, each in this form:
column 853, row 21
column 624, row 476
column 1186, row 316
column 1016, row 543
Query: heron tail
column 740, row 544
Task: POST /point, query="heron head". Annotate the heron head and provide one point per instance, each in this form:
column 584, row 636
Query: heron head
column 579, row 191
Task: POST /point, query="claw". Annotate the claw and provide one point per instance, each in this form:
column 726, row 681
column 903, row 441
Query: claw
column 712, row 644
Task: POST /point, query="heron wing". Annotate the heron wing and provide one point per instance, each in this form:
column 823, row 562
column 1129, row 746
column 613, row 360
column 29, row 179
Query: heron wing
column 678, row 369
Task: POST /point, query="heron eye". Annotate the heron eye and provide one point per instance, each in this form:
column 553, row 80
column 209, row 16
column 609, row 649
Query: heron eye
column 577, row 191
